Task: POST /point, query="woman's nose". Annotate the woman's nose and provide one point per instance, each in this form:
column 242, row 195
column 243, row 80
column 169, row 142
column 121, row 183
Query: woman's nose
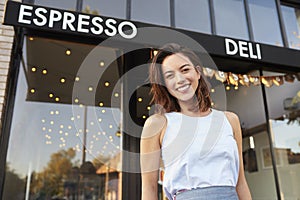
column 180, row 78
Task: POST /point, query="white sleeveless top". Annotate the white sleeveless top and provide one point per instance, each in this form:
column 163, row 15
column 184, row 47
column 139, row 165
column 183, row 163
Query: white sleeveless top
column 198, row 152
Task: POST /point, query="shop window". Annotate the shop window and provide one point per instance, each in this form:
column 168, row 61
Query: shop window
column 154, row 12
column 193, row 15
column 231, row 19
column 284, row 106
column 112, row 8
column 291, row 18
column 264, row 20
column 60, row 4
column 64, row 144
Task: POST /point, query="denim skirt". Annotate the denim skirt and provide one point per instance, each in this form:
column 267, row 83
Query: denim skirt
column 208, row 193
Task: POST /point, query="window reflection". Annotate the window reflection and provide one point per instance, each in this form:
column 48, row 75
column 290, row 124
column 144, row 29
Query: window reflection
column 265, row 24
column 60, row 148
column 61, row 4
column 112, row 8
column 229, row 23
column 193, row 15
column 291, row 17
column 284, row 106
column 155, row 11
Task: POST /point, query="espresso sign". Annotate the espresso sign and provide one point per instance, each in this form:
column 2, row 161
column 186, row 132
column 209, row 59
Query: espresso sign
column 66, row 21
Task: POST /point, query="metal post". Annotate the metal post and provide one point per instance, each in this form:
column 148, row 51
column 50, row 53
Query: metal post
column 281, row 24
column 84, row 135
column 172, row 13
column 79, row 5
column 248, row 19
column 270, row 139
column 212, row 17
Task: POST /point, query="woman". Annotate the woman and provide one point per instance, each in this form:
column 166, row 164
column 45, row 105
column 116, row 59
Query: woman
column 201, row 148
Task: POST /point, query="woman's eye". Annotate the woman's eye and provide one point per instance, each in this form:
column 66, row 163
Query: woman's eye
column 186, row 69
column 169, row 76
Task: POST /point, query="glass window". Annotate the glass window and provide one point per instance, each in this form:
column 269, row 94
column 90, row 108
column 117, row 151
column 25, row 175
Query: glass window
column 60, row 4
column 112, row 8
column 265, row 24
column 247, row 102
column 291, row 18
column 63, row 146
column 193, row 15
column 230, row 18
column 284, row 106
column 154, row 12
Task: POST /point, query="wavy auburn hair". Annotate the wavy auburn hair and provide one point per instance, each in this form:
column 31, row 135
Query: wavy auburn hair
column 163, row 100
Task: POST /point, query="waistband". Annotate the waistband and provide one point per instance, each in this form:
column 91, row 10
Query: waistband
column 211, row 193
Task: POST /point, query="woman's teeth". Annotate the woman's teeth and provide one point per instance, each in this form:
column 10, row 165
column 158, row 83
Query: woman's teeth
column 183, row 88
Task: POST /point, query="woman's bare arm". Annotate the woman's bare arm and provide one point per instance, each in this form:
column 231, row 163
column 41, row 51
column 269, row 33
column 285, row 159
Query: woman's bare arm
column 242, row 186
column 150, row 155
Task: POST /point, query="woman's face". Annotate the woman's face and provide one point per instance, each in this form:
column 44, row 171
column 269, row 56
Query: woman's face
column 181, row 77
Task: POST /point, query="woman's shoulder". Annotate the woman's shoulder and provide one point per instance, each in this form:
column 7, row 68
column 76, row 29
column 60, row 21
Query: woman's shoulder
column 231, row 116
column 154, row 124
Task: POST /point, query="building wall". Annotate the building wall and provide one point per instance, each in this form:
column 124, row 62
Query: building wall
column 6, row 43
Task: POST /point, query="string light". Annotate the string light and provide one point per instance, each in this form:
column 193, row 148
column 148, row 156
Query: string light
column 278, row 80
column 101, row 63
column 68, row 52
column 106, row 83
column 33, row 69
column 44, row 71
column 246, row 80
column 62, row 80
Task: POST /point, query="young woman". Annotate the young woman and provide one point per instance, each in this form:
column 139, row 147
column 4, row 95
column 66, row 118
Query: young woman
column 201, row 148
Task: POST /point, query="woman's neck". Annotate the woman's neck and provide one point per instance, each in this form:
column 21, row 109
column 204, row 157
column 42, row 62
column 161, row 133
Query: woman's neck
column 190, row 110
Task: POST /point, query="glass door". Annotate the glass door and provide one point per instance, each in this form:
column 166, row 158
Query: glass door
column 65, row 138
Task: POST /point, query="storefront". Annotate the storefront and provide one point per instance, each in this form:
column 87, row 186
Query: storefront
column 78, row 94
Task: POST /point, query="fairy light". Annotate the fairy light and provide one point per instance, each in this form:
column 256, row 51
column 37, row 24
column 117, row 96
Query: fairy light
column 62, row 80
column 68, row 52
column 33, row 69
column 101, row 63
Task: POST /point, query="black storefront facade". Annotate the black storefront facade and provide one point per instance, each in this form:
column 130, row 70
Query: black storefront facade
column 77, row 99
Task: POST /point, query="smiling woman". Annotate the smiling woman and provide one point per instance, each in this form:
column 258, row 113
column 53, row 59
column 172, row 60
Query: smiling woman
column 192, row 139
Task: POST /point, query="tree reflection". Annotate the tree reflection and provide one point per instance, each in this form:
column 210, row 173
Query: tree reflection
column 62, row 178
column 48, row 183
column 15, row 183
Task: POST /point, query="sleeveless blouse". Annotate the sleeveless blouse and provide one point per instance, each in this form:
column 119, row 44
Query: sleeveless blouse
column 198, row 152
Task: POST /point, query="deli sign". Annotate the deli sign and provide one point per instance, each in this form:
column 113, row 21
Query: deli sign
column 242, row 49
column 33, row 16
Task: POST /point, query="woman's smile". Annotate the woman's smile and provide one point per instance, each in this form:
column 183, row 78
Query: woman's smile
column 184, row 88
